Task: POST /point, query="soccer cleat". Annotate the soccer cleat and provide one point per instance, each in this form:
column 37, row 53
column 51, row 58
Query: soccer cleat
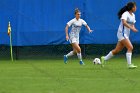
column 102, row 61
column 81, row 63
column 65, row 59
column 132, row 66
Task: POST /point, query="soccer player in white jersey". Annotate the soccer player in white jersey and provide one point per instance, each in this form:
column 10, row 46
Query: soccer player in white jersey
column 127, row 17
column 73, row 36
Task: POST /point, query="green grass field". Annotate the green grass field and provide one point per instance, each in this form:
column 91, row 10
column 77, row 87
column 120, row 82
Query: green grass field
column 52, row 76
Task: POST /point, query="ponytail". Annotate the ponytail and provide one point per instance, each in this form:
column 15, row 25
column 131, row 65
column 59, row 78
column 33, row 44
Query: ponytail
column 122, row 10
column 128, row 7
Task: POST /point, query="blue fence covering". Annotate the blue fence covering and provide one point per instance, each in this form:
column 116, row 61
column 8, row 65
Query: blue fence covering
column 42, row 22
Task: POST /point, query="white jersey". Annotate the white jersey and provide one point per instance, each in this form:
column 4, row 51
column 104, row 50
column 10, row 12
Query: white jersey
column 75, row 30
column 123, row 31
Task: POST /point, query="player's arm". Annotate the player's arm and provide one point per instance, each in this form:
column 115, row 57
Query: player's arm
column 129, row 26
column 134, row 27
column 88, row 28
column 67, row 27
column 66, row 32
column 85, row 24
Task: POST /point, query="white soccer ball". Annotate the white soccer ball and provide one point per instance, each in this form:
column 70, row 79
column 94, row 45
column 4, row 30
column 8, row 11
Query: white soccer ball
column 97, row 61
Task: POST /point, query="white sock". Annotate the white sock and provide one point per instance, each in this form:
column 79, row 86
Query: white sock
column 70, row 54
column 108, row 56
column 128, row 57
column 79, row 56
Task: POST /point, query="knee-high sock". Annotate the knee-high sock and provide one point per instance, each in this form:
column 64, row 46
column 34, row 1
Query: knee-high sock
column 70, row 54
column 79, row 56
column 108, row 56
column 128, row 57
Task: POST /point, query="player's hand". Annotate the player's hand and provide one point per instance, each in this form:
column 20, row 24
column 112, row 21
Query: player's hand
column 8, row 33
column 134, row 30
column 67, row 37
column 90, row 31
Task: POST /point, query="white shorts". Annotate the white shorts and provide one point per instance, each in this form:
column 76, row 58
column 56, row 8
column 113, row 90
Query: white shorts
column 122, row 36
column 74, row 40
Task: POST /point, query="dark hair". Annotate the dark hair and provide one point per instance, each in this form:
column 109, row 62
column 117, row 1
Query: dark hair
column 128, row 7
column 76, row 11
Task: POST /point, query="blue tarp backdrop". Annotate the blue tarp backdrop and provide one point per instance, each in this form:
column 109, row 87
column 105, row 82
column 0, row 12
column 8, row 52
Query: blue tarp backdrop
column 42, row 22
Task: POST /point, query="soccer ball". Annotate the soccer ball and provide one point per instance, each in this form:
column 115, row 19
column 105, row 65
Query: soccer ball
column 97, row 61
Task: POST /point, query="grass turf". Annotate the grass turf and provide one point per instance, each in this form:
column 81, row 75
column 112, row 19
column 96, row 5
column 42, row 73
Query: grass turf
column 52, row 76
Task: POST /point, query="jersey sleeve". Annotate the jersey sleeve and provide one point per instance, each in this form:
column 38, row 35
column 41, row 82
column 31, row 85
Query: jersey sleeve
column 70, row 22
column 84, row 23
column 124, row 16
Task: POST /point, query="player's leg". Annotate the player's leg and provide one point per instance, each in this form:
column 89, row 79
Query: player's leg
column 118, row 48
column 129, row 46
column 71, row 53
column 78, row 51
